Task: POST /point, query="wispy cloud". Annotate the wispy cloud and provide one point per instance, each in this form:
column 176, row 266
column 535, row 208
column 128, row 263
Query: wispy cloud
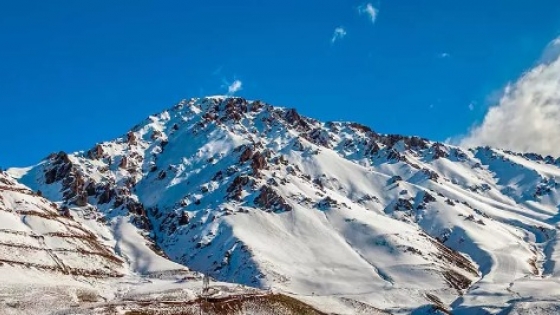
column 217, row 71
column 527, row 116
column 235, row 87
column 369, row 10
column 444, row 55
column 471, row 106
column 339, row 33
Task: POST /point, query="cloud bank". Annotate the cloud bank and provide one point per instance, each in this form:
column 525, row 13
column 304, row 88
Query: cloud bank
column 527, row 117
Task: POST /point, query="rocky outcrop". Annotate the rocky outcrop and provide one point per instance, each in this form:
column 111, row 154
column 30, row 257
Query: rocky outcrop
column 246, row 154
column 96, row 153
column 258, row 162
column 236, row 187
column 269, row 199
column 124, row 162
column 439, row 151
column 131, row 138
column 432, row 175
column 61, row 167
column 294, row 120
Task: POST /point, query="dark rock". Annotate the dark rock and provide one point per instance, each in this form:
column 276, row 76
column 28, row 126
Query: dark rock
column 135, row 207
column 246, row 155
column 96, row 153
column 106, row 195
column 91, row 189
column 432, row 175
column 403, row 205
column 65, row 212
column 269, row 199
column 427, row 198
column 124, row 162
column 319, row 137
column 131, row 138
column 371, row 148
column 361, row 127
column 234, row 190
column 394, row 179
column 416, row 143
column 218, row 176
column 81, row 199
column 393, row 154
column 156, row 135
column 439, row 151
column 258, row 162
column 184, row 219
column 327, row 203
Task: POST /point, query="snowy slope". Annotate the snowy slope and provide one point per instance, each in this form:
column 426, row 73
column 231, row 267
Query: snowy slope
column 35, row 233
column 55, row 260
column 332, row 213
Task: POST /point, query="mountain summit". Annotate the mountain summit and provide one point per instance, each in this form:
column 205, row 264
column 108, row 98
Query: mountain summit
column 332, row 213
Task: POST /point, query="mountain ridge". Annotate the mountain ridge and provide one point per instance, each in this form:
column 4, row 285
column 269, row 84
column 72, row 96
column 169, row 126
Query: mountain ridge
column 234, row 188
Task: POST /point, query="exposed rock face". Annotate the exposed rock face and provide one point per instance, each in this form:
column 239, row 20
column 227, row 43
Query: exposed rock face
column 327, row 203
column 395, row 179
column 439, row 151
column 96, row 153
column 430, row 174
column 124, row 162
column 362, row 128
column 319, row 137
column 156, row 135
column 246, row 155
column 131, row 138
column 403, row 205
column 106, row 195
column 258, row 162
column 428, row 198
column 236, row 187
column 63, row 167
column 293, row 118
column 184, row 219
column 269, row 199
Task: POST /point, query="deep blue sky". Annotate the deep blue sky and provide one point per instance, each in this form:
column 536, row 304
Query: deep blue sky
column 73, row 73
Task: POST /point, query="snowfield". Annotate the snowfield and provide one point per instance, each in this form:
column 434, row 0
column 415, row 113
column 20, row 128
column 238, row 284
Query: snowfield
column 332, row 214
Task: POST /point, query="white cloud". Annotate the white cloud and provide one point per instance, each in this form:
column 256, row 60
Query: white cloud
column 527, row 116
column 369, row 10
column 444, row 55
column 471, row 106
column 339, row 33
column 234, row 87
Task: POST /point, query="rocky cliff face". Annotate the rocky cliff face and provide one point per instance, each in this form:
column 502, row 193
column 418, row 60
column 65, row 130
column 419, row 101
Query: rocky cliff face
column 260, row 195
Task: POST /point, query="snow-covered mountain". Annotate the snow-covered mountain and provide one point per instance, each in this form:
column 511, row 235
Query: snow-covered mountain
column 57, row 260
column 335, row 214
